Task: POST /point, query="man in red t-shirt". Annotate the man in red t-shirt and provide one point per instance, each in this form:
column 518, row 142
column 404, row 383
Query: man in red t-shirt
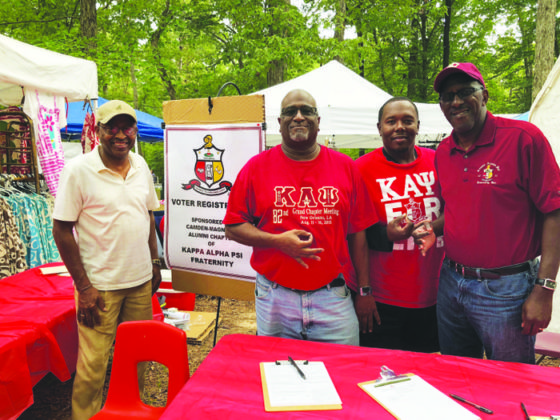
column 296, row 204
column 403, row 185
column 500, row 184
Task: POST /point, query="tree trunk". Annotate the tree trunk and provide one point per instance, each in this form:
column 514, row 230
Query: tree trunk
column 275, row 74
column 423, row 82
column 360, row 33
column 446, row 32
column 154, row 42
column 134, row 85
column 340, row 20
column 544, row 46
column 360, row 54
column 88, row 24
column 413, row 59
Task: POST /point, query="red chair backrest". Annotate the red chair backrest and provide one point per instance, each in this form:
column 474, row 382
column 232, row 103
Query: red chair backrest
column 143, row 341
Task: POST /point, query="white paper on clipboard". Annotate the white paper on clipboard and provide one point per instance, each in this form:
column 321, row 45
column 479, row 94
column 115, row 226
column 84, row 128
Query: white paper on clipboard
column 285, row 390
column 416, row 400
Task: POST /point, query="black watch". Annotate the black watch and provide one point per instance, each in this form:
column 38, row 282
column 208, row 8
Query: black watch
column 365, row 291
column 549, row 284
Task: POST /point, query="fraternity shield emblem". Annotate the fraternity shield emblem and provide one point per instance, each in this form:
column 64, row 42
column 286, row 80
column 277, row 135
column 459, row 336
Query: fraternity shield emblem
column 208, row 167
column 209, row 170
column 413, row 211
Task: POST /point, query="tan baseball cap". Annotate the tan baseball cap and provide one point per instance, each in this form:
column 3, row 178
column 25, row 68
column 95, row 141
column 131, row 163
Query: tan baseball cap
column 108, row 110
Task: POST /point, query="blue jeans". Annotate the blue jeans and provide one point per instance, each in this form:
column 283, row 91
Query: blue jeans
column 325, row 315
column 477, row 316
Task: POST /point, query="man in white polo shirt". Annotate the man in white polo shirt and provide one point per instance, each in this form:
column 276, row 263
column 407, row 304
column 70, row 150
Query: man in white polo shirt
column 105, row 231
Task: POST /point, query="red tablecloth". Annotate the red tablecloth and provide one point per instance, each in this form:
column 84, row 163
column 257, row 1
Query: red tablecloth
column 227, row 384
column 38, row 334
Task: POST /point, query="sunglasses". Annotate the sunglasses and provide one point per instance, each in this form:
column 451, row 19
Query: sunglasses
column 449, row 97
column 114, row 130
column 291, row 111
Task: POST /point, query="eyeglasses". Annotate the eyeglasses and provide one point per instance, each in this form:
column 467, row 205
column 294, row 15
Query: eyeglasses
column 291, row 111
column 449, row 97
column 114, row 130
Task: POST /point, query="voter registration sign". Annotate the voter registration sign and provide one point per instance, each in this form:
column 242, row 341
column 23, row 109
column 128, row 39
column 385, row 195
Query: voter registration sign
column 202, row 163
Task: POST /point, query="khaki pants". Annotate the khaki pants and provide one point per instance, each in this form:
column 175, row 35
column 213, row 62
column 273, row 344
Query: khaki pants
column 95, row 346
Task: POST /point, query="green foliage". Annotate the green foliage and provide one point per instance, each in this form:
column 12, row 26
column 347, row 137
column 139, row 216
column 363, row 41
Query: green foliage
column 354, row 153
column 172, row 49
column 153, row 153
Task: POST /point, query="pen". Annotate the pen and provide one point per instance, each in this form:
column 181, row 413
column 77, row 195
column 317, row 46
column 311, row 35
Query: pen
column 525, row 412
column 391, row 382
column 294, row 364
column 478, row 407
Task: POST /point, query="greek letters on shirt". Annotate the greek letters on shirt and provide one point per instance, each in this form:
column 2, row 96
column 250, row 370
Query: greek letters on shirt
column 417, row 201
column 311, row 206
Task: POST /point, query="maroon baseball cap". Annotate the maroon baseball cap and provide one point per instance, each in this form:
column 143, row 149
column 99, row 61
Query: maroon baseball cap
column 466, row 68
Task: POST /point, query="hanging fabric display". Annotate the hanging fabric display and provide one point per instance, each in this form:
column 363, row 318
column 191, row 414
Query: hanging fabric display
column 49, row 144
column 26, row 238
column 12, row 251
column 89, row 137
column 15, row 141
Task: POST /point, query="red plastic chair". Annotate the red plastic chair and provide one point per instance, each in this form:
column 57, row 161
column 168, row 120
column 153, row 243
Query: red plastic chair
column 547, row 344
column 142, row 341
column 157, row 312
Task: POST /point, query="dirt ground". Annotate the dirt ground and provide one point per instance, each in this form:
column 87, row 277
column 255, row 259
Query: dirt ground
column 53, row 398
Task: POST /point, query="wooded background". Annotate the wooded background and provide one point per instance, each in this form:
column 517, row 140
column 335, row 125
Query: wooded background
column 151, row 51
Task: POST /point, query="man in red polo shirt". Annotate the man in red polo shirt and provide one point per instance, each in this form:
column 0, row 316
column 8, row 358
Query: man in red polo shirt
column 500, row 184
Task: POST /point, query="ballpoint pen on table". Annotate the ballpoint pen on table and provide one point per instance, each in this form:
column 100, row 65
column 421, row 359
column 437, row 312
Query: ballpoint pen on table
column 478, row 407
column 294, row 364
column 525, row 412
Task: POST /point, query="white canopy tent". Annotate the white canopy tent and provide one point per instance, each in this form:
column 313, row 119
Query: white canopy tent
column 544, row 114
column 348, row 105
column 546, row 109
column 33, row 72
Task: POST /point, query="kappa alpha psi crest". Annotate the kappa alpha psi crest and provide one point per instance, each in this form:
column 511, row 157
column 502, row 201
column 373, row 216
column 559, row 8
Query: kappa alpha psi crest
column 209, row 170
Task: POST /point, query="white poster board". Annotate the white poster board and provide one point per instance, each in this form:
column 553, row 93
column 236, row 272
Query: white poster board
column 201, row 164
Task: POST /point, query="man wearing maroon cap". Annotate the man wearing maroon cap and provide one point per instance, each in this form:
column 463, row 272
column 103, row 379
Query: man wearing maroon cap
column 501, row 212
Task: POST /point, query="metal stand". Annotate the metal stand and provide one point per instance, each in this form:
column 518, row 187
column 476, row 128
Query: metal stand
column 217, row 320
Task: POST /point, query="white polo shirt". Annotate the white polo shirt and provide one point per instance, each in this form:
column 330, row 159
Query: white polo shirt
column 112, row 223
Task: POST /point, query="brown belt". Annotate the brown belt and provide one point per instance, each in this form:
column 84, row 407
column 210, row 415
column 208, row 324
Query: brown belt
column 491, row 274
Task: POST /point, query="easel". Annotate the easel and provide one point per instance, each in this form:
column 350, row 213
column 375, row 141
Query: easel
column 219, row 110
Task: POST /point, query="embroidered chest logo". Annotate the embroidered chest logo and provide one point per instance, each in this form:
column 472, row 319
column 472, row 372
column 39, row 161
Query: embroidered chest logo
column 488, row 173
column 209, row 170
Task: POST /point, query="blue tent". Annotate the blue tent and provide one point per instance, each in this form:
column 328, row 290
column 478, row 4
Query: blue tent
column 523, row 117
column 149, row 127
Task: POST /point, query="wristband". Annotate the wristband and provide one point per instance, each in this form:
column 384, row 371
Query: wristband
column 83, row 289
column 156, row 261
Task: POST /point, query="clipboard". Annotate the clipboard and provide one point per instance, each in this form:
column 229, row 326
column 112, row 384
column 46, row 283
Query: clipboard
column 285, row 390
column 61, row 270
column 409, row 397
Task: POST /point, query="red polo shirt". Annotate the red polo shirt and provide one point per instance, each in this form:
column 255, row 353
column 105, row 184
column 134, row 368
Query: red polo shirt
column 496, row 193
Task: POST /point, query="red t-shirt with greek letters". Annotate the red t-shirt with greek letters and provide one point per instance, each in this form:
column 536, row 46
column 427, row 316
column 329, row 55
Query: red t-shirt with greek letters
column 404, row 277
column 325, row 197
